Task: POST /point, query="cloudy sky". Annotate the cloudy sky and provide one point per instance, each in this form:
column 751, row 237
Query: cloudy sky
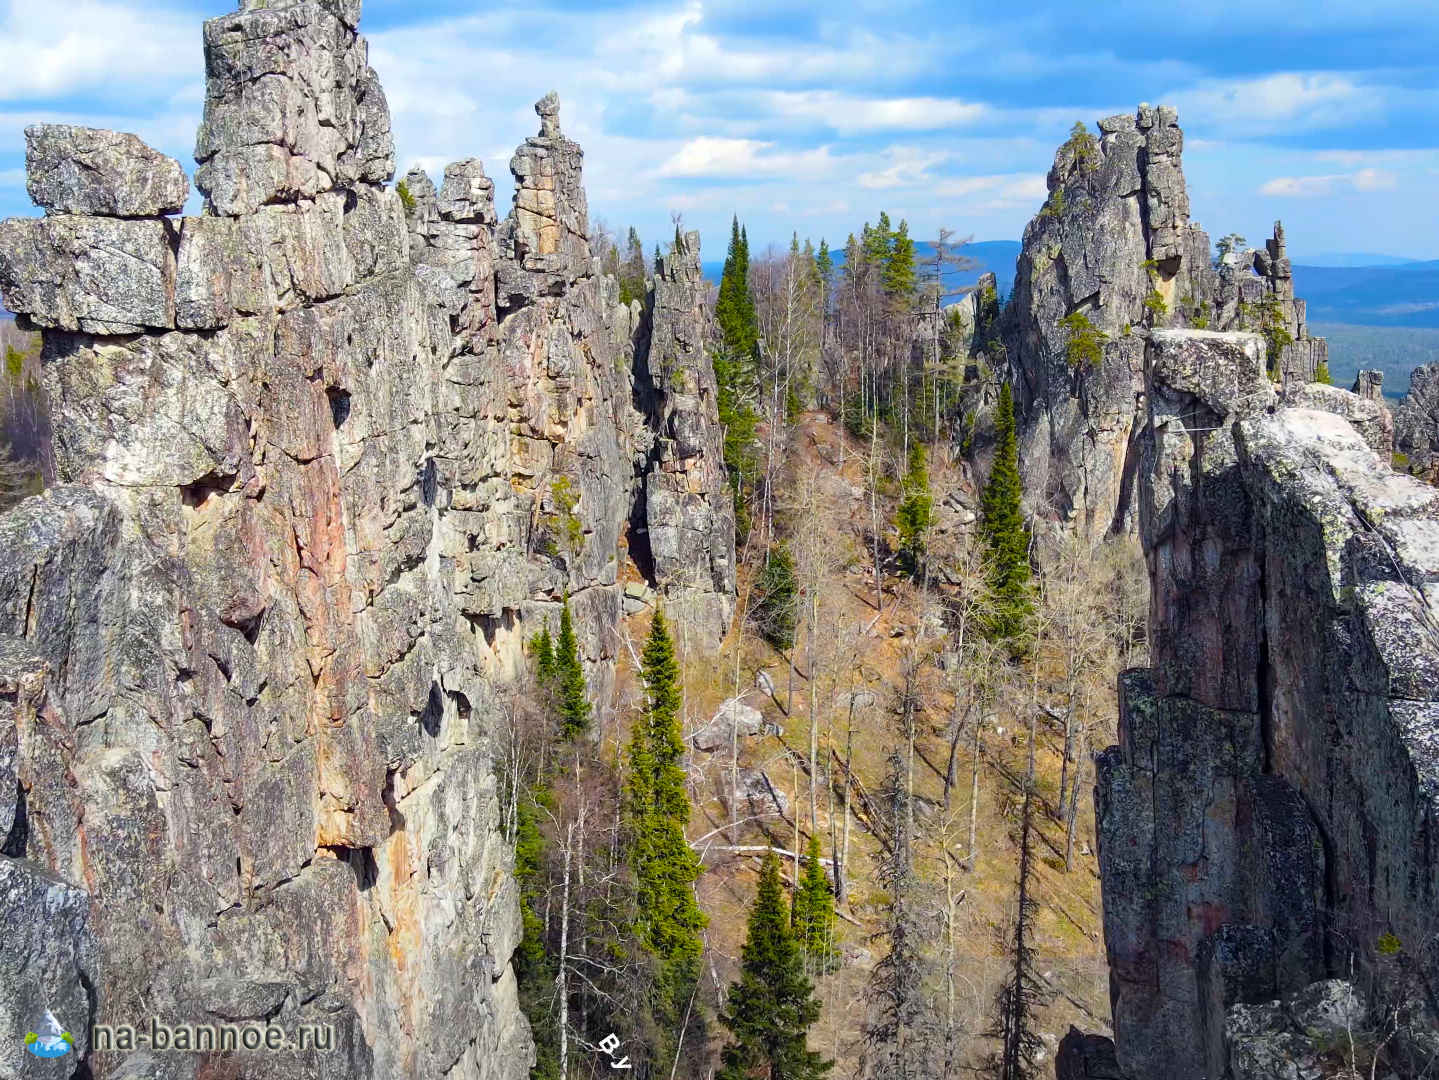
column 815, row 116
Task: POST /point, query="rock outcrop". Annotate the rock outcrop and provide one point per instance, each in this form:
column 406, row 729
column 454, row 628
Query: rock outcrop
column 1114, row 252
column 325, row 456
column 1416, row 420
column 1267, row 817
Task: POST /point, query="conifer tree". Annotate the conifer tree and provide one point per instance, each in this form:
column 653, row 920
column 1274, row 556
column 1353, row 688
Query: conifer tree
column 878, row 241
column 569, row 675
column 658, row 810
column 542, row 648
column 770, row 1009
column 632, row 270
column 900, row 276
column 1005, row 536
column 1022, row 993
column 916, row 510
column 735, row 363
column 777, row 611
column 824, row 264
column 812, row 912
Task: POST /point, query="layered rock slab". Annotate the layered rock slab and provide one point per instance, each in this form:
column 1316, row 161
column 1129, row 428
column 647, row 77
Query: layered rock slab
column 80, row 170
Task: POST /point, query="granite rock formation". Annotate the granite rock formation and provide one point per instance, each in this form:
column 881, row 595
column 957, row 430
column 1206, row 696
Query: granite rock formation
column 1416, row 419
column 1115, row 245
column 325, row 456
column 1268, row 814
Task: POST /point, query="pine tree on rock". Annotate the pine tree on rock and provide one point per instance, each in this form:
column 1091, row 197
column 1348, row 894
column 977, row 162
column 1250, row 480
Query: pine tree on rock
column 658, row 810
column 1005, row 536
column 772, row 1006
column 812, row 913
column 569, row 674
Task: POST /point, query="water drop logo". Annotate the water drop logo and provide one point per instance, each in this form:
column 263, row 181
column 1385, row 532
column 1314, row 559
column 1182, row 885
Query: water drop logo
column 51, row 1041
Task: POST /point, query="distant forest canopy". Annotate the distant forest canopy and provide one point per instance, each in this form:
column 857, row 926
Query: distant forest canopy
column 995, row 257
column 1394, row 350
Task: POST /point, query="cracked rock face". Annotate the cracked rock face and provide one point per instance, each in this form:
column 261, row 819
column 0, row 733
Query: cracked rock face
column 80, row 170
column 1416, row 420
column 1113, row 238
column 325, row 460
column 1276, row 778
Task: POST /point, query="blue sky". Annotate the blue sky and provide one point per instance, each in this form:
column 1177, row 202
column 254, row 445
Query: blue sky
column 813, row 117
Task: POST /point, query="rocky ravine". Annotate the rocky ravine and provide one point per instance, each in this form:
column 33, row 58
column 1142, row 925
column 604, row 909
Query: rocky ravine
column 251, row 644
column 1270, row 812
column 1115, row 230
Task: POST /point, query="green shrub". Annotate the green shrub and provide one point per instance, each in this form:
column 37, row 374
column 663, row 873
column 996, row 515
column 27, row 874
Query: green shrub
column 1054, row 205
column 1085, row 344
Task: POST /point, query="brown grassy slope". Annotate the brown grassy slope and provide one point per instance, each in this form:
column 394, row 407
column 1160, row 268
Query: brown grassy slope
column 825, row 514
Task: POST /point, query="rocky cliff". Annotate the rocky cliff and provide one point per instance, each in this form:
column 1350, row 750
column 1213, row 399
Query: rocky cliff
column 1416, row 420
column 1268, row 817
column 325, row 455
column 1113, row 250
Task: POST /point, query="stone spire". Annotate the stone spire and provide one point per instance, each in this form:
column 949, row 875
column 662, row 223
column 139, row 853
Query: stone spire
column 544, row 243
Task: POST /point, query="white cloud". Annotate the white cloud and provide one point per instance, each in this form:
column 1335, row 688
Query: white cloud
column 1007, row 187
column 716, row 157
column 906, row 167
column 1283, row 103
column 60, row 48
column 851, row 114
column 1317, row 186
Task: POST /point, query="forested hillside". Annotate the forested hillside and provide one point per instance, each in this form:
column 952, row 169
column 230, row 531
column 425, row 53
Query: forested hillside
column 902, row 716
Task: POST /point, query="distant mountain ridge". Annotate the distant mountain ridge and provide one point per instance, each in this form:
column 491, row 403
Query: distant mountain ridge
column 1352, row 259
column 1400, row 295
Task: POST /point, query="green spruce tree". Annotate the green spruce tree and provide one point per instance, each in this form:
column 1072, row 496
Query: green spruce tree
column 1005, row 536
column 916, row 510
column 736, row 360
column 542, row 648
column 812, row 912
column 777, row 609
column 658, row 812
column 900, row 277
column 632, row 270
column 569, row 675
column 772, row 1006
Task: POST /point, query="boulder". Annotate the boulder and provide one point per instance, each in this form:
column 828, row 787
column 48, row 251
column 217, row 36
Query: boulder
column 80, row 170
column 1368, row 415
column 758, row 793
column 733, row 718
column 89, row 274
